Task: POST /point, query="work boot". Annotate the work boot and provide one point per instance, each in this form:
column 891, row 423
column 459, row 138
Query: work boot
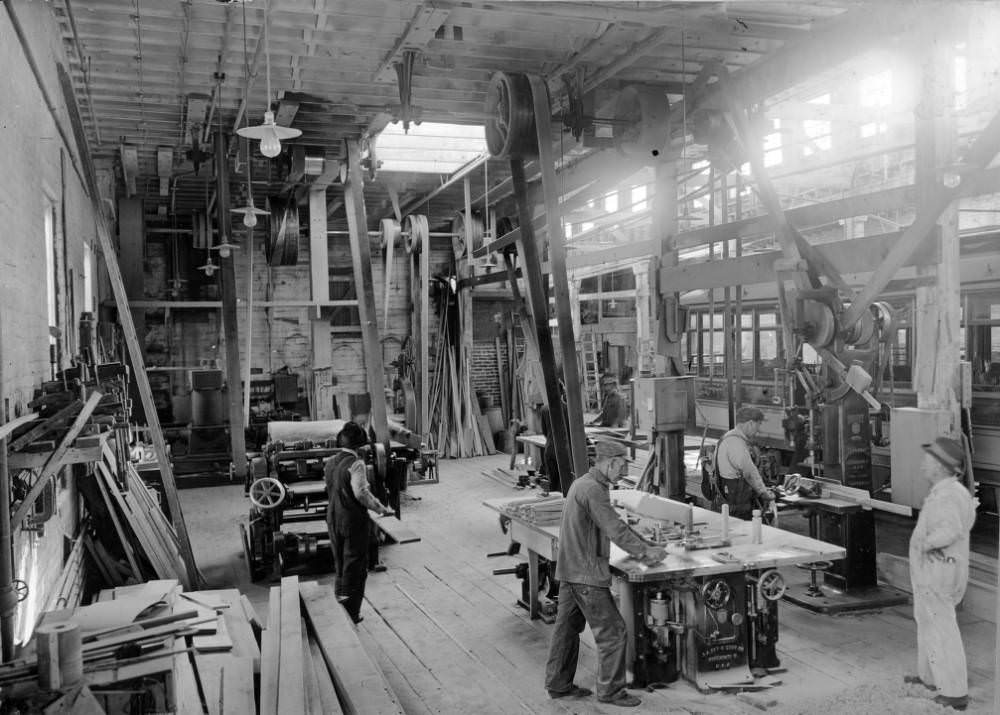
column 917, row 680
column 621, row 698
column 959, row 703
column 575, row 692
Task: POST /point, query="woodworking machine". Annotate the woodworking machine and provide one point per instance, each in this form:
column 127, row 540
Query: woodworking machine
column 689, row 620
column 287, row 522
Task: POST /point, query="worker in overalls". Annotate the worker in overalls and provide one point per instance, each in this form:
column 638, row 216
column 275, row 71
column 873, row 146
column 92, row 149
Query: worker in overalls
column 589, row 524
column 614, row 408
column 347, row 519
column 739, row 481
column 939, row 573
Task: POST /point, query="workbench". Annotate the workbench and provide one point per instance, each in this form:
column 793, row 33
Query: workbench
column 686, row 572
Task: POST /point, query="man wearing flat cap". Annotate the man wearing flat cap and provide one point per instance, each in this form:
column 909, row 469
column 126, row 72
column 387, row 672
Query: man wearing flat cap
column 739, row 481
column 589, row 524
column 939, row 573
column 614, row 409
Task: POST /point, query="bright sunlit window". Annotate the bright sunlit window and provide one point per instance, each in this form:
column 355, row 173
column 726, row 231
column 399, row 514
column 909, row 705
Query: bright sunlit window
column 638, row 198
column 429, row 148
column 818, row 130
column 772, row 145
column 611, row 202
column 876, row 95
column 961, row 79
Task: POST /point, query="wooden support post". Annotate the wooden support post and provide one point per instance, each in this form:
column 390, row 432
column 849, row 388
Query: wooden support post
column 664, row 229
column 319, row 273
column 8, row 598
column 424, row 285
column 937, row 307
column 560, row 283
column 230, row 326
column 361, row 259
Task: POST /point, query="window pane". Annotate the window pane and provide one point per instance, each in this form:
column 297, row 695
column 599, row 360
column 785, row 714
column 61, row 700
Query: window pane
column 746, row 353
column 717, row 320
column 746, row 321
column 768, row 320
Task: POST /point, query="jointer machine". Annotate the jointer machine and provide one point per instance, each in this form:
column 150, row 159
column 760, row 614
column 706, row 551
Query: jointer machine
column 709, row 611
column 286, row 527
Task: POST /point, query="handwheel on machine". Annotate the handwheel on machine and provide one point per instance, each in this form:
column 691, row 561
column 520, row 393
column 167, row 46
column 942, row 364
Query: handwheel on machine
column 267, row 493
column 771, row 585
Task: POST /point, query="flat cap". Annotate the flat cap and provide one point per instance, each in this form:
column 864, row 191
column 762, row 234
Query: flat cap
column 748, row 414
column 947, row 451
column 607, row 448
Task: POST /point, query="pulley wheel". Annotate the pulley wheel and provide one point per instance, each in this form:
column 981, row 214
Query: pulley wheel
column 199, row 231
column 466, row 238
column 861, row 333
column 267, row 493
column 417, row 232
column 819, row 325
column 281, row 247
column 641, row 128
column 389, row 232
column 771, row 585
column 885, row 320
column 510, row 117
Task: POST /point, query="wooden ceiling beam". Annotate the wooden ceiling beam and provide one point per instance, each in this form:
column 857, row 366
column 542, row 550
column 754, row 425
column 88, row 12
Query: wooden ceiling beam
column 419, row 31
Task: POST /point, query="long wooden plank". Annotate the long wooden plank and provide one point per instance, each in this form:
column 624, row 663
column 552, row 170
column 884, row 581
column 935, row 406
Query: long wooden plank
column 362, row 687
column 270, row 653
column 324, row 681
column 102, row 487
column 56, row 460
column 291, row 685
column 394, row 529
column 237, row 687
column 34, row 433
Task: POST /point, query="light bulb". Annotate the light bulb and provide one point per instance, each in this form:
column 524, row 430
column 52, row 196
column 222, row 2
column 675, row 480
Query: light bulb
column 249, row 217
column 224, row 251
column 270, row 145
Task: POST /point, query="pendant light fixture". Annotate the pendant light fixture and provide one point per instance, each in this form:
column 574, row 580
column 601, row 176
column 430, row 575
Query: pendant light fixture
column 249, row 211
column 269, row 134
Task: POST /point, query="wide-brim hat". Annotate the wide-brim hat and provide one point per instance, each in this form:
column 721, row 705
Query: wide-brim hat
column 948, row 452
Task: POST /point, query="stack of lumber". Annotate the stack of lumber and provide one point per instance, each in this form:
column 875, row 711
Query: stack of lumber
column 543, row 511
column 138, row 541
column 457, row 426
column 176, row 652
column 312, row 660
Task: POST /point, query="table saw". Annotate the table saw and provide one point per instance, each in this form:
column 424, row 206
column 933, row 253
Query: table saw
column 709, row 611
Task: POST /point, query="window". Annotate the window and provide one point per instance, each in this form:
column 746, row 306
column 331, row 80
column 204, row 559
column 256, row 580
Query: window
column 876, row 96
column 899, row 369
column 430, row 147
column 638, row 198
column 89, row 297
column 767, row 344
column 817, row 131
column 983, row 336
column 52, row 282
column 611, row 202
column 772, row 145
column 961, row 79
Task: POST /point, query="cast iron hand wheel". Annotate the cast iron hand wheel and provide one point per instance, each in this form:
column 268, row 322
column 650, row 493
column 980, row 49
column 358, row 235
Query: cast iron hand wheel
column 771, row 585
column 267, row 493
column 716, row 593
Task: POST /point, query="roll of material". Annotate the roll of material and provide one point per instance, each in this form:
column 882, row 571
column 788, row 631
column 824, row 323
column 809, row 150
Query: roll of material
column 60, row 654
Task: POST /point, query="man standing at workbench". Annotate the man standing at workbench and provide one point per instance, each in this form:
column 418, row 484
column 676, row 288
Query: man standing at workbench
column 347, row 520
column 939, row 574
column 589, row 524
column 614, row 409
column 739, row 481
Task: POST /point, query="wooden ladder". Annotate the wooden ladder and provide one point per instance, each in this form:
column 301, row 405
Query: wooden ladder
column 590, row 371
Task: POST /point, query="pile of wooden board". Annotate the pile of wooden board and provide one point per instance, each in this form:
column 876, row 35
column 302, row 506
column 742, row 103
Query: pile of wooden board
column 543, row 511
column 144, row 544
column 312, row 660
column 155, row 644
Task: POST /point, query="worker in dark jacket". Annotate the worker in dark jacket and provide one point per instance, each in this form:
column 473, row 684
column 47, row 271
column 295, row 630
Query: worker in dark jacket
column 739, row 481
column 347, row 520
column 614, row 409
column 589, row 524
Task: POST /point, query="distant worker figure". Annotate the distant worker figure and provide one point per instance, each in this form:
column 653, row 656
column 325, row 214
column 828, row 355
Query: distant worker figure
column 939, row 574
column 739, row 480
column 347, row 519
column 589, row 524
column 614, row 410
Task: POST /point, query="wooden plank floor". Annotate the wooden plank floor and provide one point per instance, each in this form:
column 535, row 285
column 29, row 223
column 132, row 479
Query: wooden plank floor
column 450, row 638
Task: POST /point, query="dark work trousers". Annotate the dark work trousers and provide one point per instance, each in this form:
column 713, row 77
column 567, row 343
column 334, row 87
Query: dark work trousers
column 580, row 605
column 739, row 496
column 350, row 558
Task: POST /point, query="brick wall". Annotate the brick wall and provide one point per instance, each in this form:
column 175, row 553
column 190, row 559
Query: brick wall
column 39, row 171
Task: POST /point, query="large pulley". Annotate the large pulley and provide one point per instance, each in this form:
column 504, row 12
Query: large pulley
column 641, row 122
column 510, row 117
column 281, row 247
column 466, row 236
